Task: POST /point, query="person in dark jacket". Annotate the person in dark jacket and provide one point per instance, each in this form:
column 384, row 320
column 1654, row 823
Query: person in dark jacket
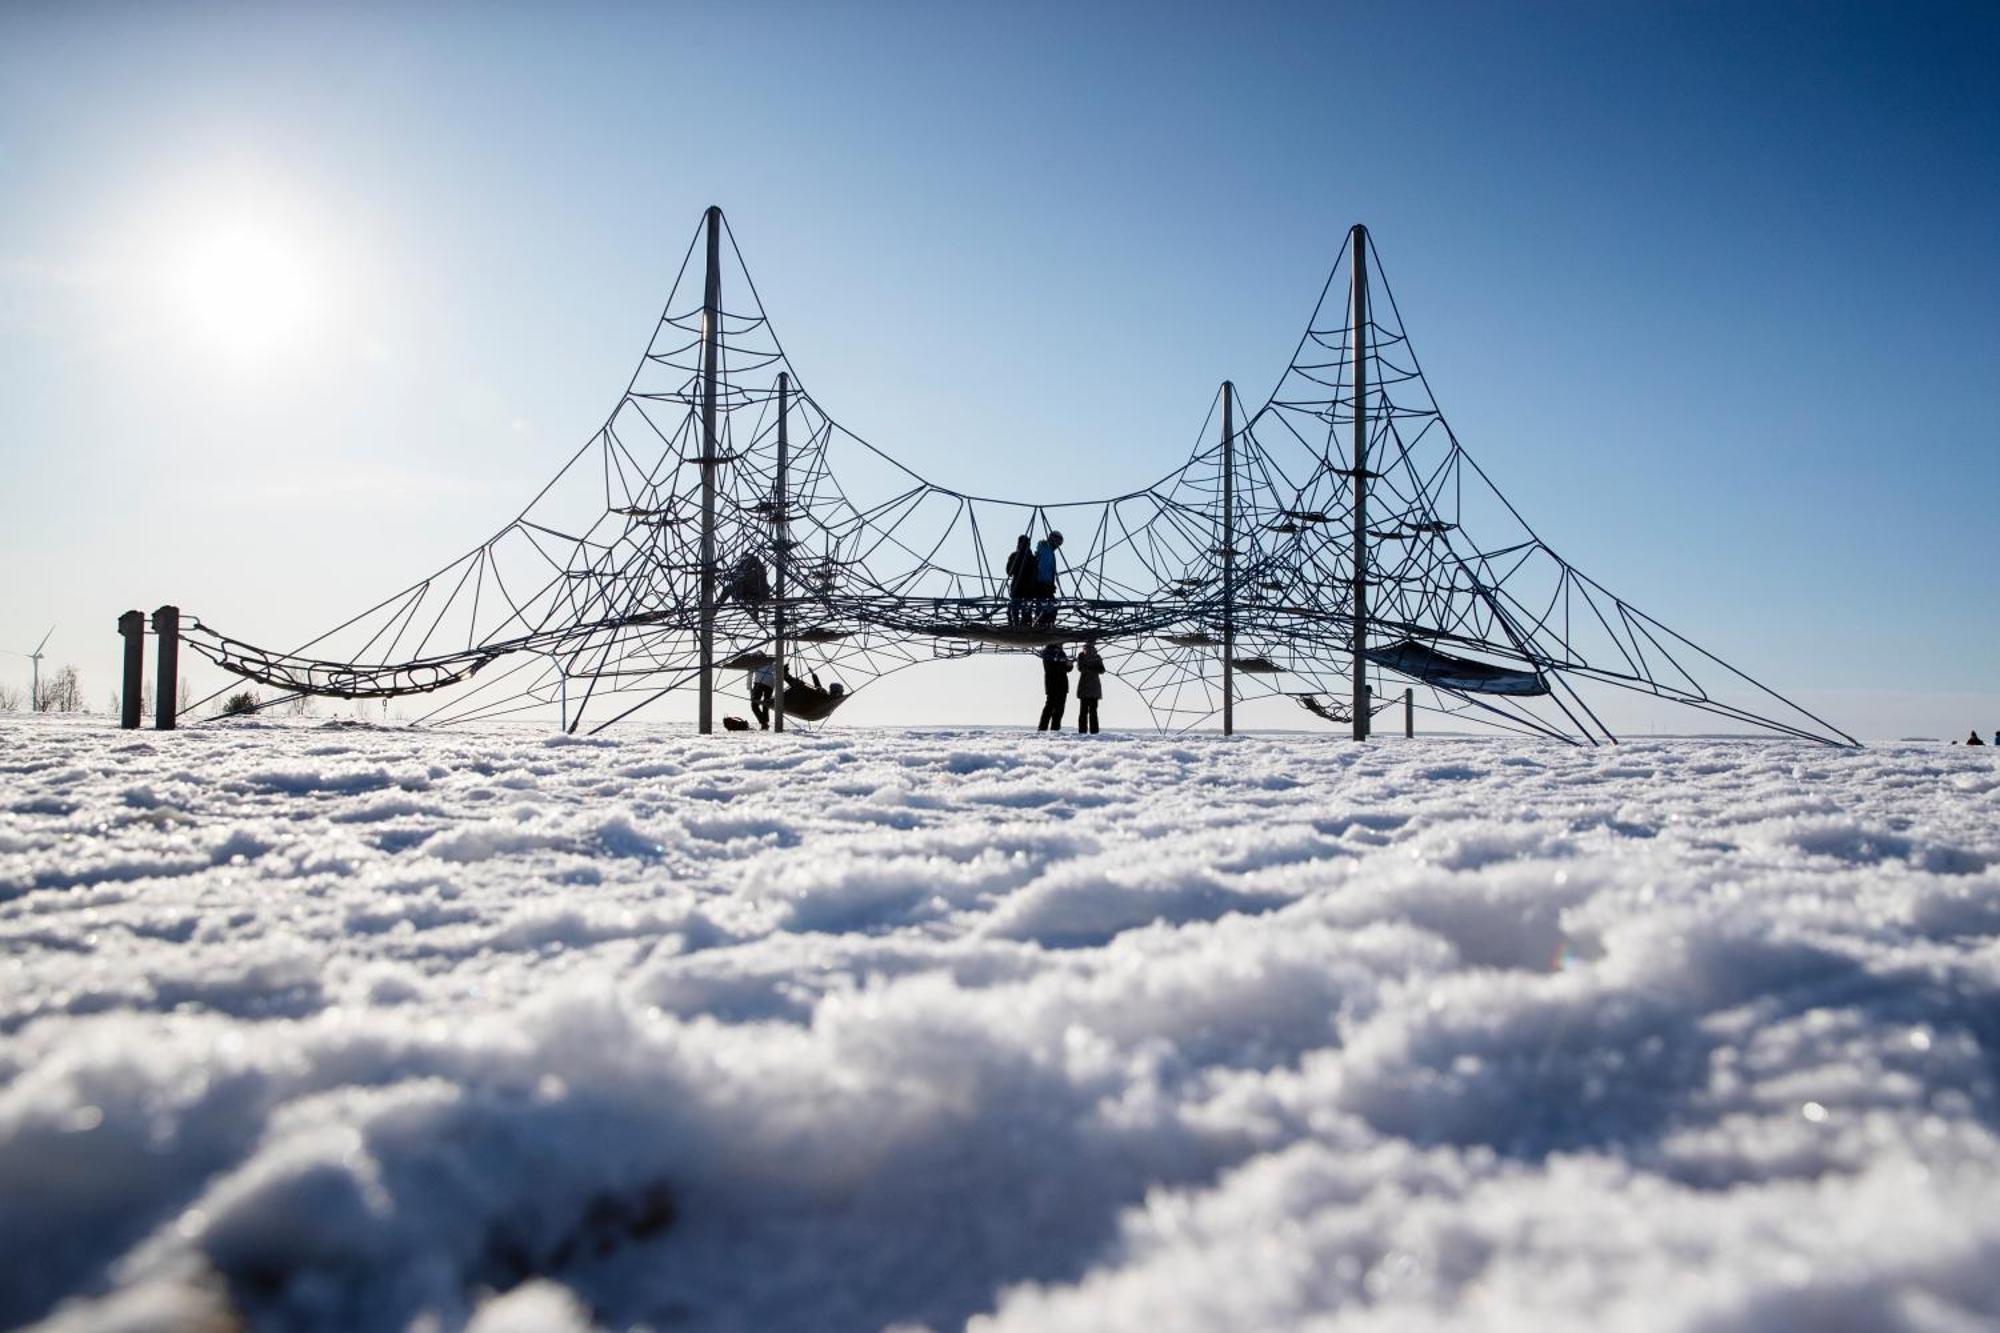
column 1020, row 580
column 1089, row 687
column 748, row 582
column 1973, row 739
column 1055, row 684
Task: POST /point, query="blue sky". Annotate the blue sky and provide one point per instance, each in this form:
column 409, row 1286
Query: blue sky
column 1711, row 290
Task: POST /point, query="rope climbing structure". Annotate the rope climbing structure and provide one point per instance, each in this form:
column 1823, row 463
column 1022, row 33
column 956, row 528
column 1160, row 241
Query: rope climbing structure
column 1335, row 545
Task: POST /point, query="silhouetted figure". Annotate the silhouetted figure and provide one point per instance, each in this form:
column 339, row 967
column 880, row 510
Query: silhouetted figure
column 747, row 582
column 1045, row 578
column 1055, row 684
column 1089, row 687
column 763, row 689
column 1973, row 739
column 814, row 702
column 1020, row 580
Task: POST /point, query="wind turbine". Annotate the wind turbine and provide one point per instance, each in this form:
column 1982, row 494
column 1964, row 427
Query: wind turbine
column 35, row 669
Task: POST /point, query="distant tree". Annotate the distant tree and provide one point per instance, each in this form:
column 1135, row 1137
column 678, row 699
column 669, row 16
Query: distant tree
column 61, row 692
column 240, row 704
column 10, row 699
column 145, row 702
column 299, row 706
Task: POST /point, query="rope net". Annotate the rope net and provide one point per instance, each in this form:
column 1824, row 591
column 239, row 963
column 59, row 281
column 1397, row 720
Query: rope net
column 590, row 599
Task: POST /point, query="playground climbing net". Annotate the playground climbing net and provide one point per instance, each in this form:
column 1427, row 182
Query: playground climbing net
column 1336, row 535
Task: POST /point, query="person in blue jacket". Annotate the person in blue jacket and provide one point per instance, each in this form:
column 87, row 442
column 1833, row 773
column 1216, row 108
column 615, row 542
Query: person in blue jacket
column 1045, row 578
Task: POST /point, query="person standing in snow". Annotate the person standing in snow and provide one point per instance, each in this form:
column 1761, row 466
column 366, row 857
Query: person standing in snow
column 1089, row 687
column 763, row 688
column 1055, row 684
column 1020, row 579
column 1045, row 577
column 1973, row 739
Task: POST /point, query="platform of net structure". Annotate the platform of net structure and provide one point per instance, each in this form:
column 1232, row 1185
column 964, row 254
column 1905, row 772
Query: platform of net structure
column 1335, row 545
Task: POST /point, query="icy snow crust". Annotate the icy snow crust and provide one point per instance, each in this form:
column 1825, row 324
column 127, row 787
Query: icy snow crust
column 341, row 1029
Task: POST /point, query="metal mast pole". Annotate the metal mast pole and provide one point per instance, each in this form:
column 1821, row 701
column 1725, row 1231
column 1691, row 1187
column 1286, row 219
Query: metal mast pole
column 711, row 335
column 1228, row 558
column 1358, row 317
column 782, row 526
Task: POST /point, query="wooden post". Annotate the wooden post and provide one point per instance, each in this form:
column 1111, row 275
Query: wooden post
column 132, row 626
column 1228, row 558
column 711, row 335
column 1409, row 712
column 782, row 528
column 1358, row 316
column 167, row 679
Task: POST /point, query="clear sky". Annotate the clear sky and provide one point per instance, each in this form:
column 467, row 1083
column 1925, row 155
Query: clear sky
column 297, row 303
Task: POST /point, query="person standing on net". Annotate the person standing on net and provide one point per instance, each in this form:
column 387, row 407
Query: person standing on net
column 1020, row 580
column 1089, row 687
column 1055, row 685
column 1045, row 578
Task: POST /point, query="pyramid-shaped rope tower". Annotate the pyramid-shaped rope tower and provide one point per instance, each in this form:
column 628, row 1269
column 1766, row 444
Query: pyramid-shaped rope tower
column 720, row 518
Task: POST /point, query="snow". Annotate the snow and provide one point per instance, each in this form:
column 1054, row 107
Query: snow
column 336, row 1028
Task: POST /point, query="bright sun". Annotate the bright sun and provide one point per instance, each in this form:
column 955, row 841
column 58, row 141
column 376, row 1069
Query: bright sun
column 245, row 289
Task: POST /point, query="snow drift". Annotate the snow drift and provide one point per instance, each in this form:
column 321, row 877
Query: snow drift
column 318, row 1027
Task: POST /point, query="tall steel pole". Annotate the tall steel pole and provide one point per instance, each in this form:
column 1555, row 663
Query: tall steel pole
column 711, row 336
column 1228, row 558
column 1358, row 317
column 781, row 526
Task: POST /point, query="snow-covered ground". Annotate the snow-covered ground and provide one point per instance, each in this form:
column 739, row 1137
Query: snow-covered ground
column 340, row 1028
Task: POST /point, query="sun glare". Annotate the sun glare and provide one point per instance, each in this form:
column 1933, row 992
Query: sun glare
column 245, row 289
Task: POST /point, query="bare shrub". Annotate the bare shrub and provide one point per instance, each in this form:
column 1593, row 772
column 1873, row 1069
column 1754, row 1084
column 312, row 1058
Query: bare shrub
column 10, row 699
column 62, row 692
